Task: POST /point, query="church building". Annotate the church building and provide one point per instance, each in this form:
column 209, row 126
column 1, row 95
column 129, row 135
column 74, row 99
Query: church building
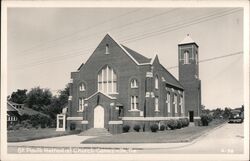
column 117, row 86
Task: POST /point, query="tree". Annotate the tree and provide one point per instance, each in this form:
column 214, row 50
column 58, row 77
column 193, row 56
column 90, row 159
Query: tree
column 64, row 95
column 38, row 98
column 58, row 103
column 19, row 96
column 217, row 113
column 226, row 113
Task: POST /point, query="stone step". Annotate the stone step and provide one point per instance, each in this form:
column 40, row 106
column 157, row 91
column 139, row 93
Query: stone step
column 95, row 132
column 191, row 124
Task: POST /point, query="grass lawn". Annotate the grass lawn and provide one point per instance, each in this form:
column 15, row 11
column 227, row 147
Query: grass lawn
column 168, row 136
column 33, row 134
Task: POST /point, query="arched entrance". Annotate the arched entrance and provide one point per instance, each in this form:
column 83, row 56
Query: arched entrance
column 99, row 117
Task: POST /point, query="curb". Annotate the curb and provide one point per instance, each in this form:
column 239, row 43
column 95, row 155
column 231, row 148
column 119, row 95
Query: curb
column 184, row 143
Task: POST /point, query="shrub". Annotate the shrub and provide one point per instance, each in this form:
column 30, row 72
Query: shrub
column 125, row 128
column 205, row 120
column 154, row 128
column 17, row 126
column 179, row 124
column 10, row 127
column 162, row 127
column 43, row 126
column 137, row 128
column 26, row 123
column 184, row 122
column 25, row 117
column 172, row 124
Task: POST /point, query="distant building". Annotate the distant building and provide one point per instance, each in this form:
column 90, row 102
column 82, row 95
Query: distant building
column 118, row 86
column 13, row 117
column 15, row 112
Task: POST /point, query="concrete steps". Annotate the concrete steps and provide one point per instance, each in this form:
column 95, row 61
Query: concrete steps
column 95, row 132
column 191, row 124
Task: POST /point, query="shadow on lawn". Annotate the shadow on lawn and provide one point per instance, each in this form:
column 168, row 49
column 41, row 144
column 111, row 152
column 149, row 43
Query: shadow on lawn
column 35, row 134
column 186, row 134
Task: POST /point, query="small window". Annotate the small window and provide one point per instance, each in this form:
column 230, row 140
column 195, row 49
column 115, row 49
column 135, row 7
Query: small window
column 107, row 49
column 156, row 82
column 134, row 83
column 156, row 103
column 82, row 87
column 175, row 103
column 81, row 105
column 168, row 102
column 186, row 57
column 134, row 103
column 181, row 104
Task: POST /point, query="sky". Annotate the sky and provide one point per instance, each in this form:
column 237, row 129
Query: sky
column 46, row 44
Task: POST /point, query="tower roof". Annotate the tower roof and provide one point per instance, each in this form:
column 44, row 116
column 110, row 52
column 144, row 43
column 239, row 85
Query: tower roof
column 187, row 40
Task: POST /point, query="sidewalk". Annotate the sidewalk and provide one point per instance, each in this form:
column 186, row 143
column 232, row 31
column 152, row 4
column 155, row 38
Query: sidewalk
column 75, row 141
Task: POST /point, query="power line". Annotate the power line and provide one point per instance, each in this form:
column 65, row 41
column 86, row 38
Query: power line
column 85, row 29
column 47, row 60
column 113, row 28
column 119, row 27
column 177, row 27
column 211, row 59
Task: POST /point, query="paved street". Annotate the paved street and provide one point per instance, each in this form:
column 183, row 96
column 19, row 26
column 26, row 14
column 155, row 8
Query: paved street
column 226, row 139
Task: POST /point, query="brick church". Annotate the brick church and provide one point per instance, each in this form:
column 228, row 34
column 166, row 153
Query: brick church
column 118, row 86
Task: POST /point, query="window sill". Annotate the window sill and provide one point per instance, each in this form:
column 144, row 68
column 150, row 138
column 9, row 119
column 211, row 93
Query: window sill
column 113, row 93
column 79, row 111
column 157, row 110
column 134, row 87
column 133, row 110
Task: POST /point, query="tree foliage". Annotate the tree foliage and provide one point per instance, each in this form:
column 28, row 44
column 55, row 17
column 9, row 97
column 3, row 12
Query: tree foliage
column 19, row 96
column 58, row 102
column 38, row 98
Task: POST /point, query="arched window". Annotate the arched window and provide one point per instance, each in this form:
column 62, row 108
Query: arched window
column 107, row 49
column 82, row 87
column 107, row 80
column 186, row 57
column 156, row 82
column 134, row 83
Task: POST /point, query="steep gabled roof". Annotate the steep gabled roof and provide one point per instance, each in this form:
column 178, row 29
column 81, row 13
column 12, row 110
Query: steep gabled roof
column 170, row 79
column 23, row 110
column 29, row 111
column 138, row 57
column 80, row 66
column 10, row 107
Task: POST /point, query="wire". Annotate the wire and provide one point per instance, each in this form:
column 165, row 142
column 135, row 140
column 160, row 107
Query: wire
column 117, row 27
column 172, row 28
column 76, row 32
column 47, row 60
column 211, row 59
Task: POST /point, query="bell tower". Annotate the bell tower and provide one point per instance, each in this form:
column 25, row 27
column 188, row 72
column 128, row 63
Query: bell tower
column 189, row 76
